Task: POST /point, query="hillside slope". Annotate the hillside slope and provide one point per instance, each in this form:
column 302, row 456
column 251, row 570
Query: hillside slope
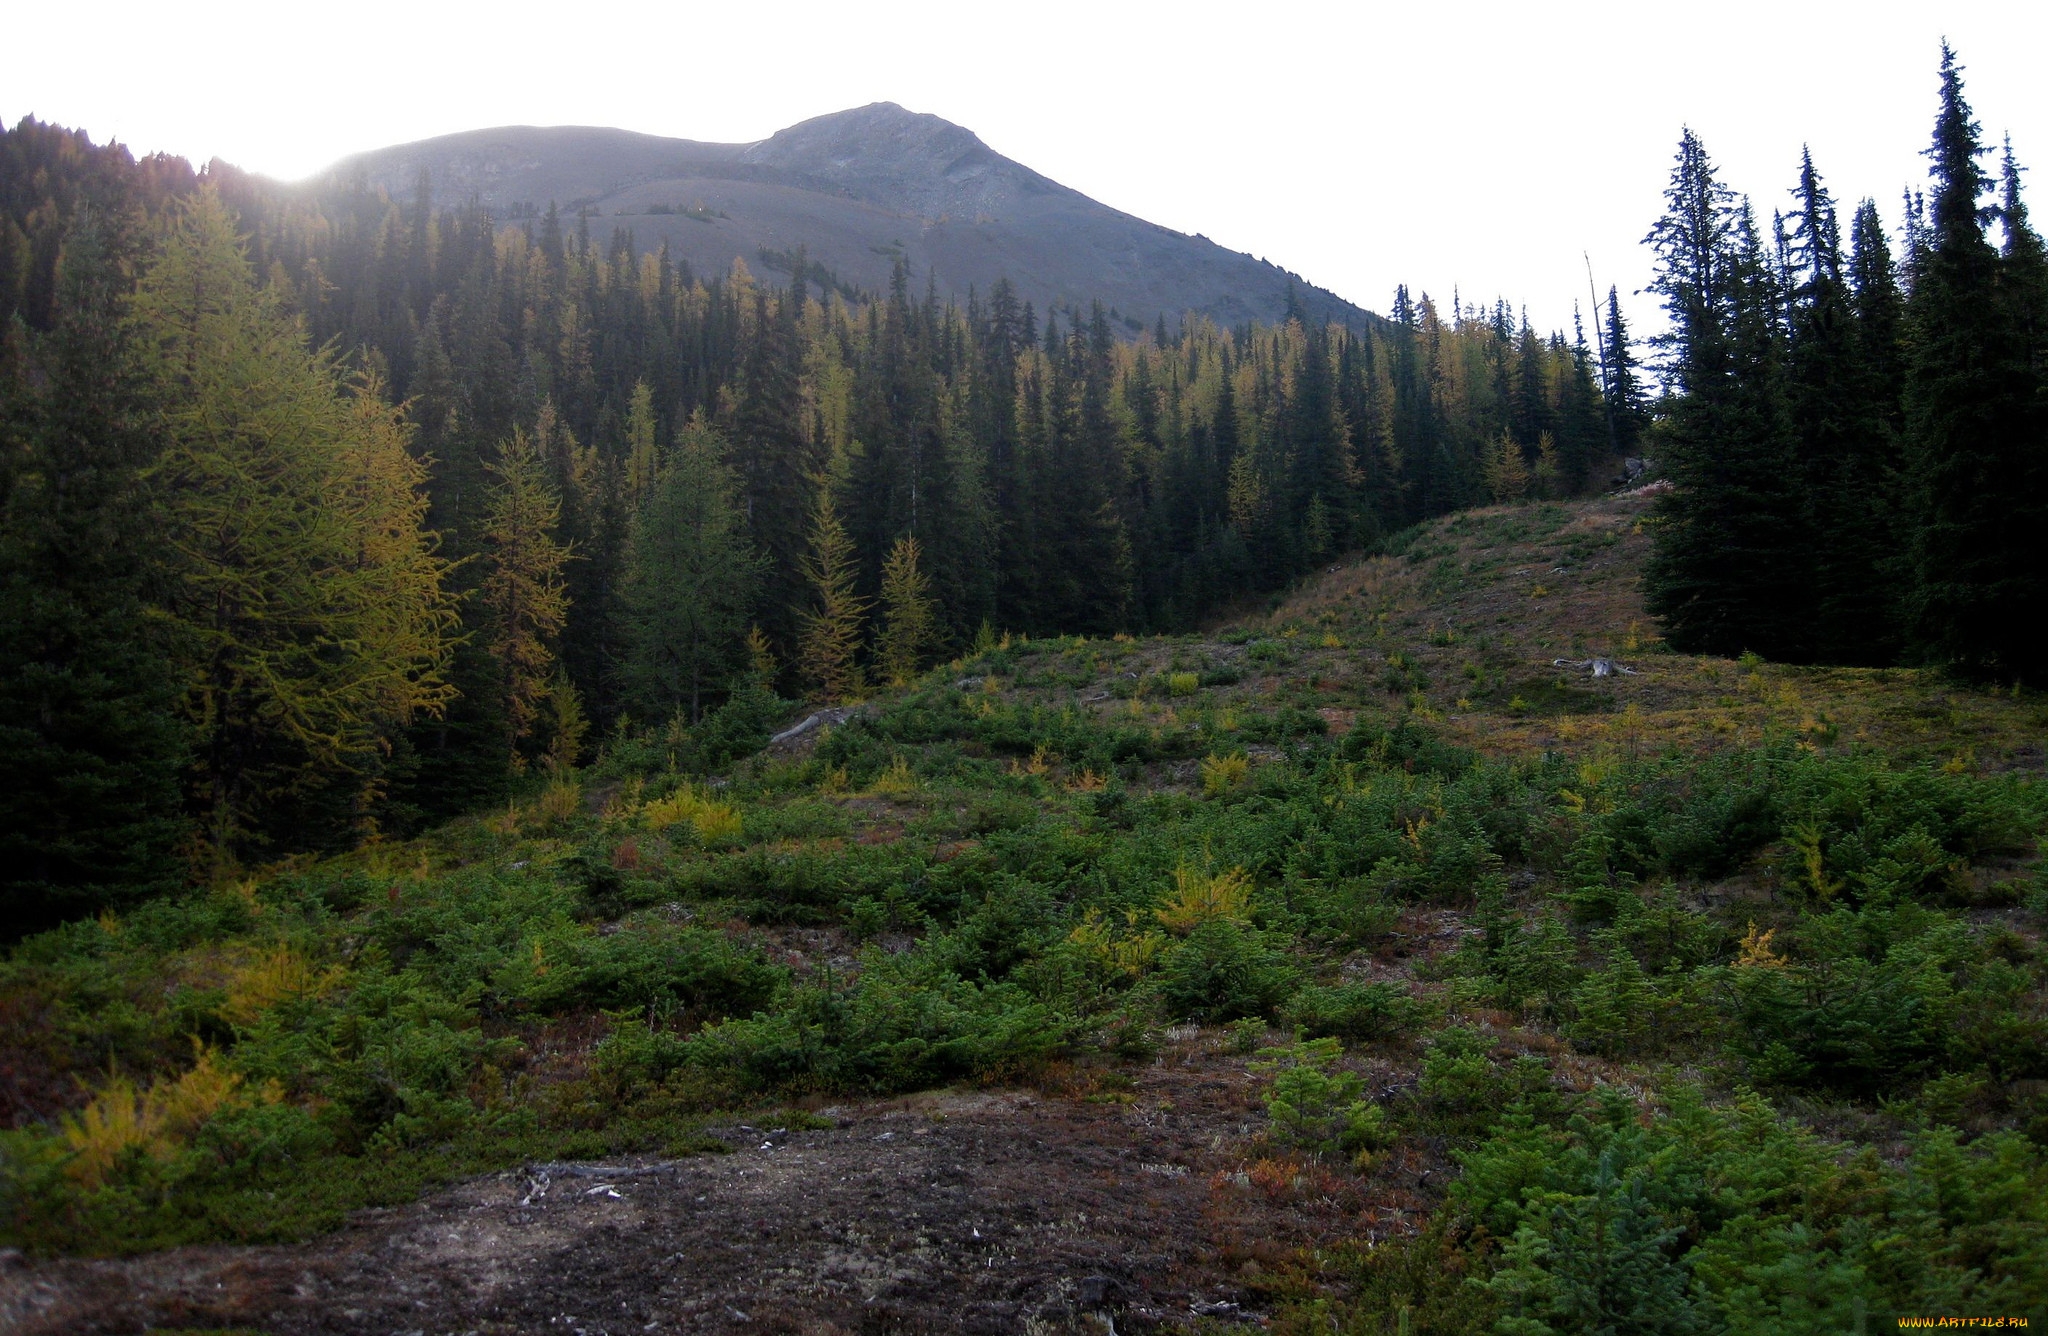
column 1279, row 974
column 856, row 189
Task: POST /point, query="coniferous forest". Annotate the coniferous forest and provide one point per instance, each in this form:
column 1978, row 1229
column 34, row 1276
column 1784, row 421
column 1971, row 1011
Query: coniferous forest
column 1858, row 440
column 536, row 782
column 580, row 480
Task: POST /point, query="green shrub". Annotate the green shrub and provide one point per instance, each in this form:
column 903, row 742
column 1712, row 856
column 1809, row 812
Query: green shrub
column 1222, row 971
column 1317, row 1107
column 903, row 1025
column 1355, row 1011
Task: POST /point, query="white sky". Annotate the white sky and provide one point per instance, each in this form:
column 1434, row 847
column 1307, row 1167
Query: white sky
column 1480, row 145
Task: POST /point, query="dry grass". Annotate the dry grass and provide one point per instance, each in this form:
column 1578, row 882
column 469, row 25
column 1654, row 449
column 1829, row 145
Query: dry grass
column 1456, row 613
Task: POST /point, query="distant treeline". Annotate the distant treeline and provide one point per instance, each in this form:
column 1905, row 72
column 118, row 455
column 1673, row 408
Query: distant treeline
column 329, row 513
column 1859, row 443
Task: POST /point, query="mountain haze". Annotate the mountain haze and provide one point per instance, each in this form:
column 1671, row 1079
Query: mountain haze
column 855, row 189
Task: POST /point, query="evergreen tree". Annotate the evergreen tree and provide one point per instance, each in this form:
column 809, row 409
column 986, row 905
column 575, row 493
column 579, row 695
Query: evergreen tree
column 694, row 582
column 1975, row 424
column 1842, row 454
column 90, row 745
column 1623, row 389
column 1581, row 430
column 778, row 473
column 1726, row 572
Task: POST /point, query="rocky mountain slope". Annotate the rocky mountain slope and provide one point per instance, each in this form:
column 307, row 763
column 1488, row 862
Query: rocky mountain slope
column 856, row 189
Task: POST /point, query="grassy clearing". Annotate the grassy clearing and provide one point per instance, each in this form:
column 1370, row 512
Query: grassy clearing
column 1735, row 985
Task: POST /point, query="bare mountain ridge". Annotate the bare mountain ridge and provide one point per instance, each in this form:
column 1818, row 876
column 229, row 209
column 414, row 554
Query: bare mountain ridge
column 855, row 189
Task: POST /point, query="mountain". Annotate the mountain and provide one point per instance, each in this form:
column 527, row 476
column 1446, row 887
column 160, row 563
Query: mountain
column 856, row 189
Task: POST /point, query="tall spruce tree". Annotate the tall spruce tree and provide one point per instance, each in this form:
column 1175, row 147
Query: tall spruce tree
column 1975, row 421
column 91, row 747
column 1726, row 572
column 694, row 583
column 1623, row 389
column 1843, row 459
column 778, row 471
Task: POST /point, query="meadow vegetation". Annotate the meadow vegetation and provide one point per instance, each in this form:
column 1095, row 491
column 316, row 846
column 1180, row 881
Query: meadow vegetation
column 1739, row 1022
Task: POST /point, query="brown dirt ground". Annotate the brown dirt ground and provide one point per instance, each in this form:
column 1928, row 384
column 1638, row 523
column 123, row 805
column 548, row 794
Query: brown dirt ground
column 1082, row 1206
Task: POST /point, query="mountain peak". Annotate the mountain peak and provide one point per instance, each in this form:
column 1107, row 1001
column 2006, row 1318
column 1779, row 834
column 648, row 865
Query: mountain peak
column 859, row 191
column 893, row 156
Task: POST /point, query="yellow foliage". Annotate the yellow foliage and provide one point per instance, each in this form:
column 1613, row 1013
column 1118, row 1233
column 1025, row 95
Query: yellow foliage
column 831, row 626
column 523, row 586
column 311, row 610
column 1414, row 829
column 1128, row 955
column 1806, row 839
column 897, row 781
column 714, row 822
column 1756, row 950
column 625, row 800
column 1087, row 782
column 186, row 1104
column 1506, row 472
column 273, row 977
column 119, row 1120
column 1220, row 774
column 718, row 824
column 1200, row 895
column 909, row 625
column 1182, row 684
column 560, row 800
column 101, row 1134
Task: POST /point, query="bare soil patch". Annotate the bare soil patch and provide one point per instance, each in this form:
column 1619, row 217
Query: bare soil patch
column 1099, row 1208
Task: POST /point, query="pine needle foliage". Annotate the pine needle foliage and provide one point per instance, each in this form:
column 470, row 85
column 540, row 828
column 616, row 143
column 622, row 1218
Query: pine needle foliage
column 830, row 639
column 909, row 615
column 1507, row 473
column 312, row 618
column 694, row 581
column 523, row 590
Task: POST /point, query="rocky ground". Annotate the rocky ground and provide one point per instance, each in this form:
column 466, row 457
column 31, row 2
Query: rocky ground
column 1097, row 1202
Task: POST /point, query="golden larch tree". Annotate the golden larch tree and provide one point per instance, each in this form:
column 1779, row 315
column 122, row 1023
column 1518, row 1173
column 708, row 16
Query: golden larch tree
column 523, row 591
column 830, row 627
column 909, row 614
column 310, row 612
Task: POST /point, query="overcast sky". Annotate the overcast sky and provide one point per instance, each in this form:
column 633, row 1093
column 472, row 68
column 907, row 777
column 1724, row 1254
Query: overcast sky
column 1477, row 145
